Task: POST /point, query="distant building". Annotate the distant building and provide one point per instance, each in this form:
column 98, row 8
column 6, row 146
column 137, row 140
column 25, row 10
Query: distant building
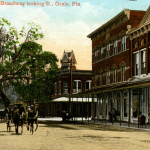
column 69, row 76
column 70, row 81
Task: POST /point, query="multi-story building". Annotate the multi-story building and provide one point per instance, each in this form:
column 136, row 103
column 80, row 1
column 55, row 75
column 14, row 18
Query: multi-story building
column 120, row 65
column 69, row 76
column 70, row 81
column 140, row 67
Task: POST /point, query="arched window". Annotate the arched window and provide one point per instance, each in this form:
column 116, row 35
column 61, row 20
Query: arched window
column 65, row 87
column 142, row 42
column 136, row 45
column 123, row 43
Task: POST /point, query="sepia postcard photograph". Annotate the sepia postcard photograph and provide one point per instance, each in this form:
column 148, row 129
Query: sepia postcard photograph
column 75, row 75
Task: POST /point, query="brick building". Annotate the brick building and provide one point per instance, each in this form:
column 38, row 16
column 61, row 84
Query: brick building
column 78, row 80
column 121, row 66
column 140, row 67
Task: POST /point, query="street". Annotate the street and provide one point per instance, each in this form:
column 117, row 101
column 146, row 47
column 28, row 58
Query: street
column 60, row 136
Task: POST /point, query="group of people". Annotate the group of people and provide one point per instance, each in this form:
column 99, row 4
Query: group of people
column 112, row 115
column 28, row 114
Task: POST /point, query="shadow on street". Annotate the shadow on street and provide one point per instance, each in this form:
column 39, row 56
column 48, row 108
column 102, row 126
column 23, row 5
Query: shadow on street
column 85, row 126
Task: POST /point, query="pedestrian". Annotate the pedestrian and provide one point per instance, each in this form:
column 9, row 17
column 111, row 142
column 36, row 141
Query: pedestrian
column 35, row 113
column 115, row 114
column 110, row 116
column 64, row 116
column 16, row 118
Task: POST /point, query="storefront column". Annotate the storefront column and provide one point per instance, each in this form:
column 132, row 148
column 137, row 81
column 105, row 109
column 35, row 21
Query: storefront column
column 102, row 107
column 88, row 108
column 129, row 109
column 76, row 107
column 138, row 107
column 98, row 106
column 93, row 108
column 105, row 106
column 120, row 107
column 112, row 108
column 82, row 108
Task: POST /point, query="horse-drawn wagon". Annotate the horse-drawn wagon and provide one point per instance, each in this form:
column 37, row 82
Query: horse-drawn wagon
column 20, row 115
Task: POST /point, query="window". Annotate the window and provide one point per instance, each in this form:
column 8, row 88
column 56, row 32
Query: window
column 77, row 86
column 115, row 75
column 101, row 78
column 123, row 41
column 136, row 63
column 88, row 85
column 55, row 88
column 96, row 56
column 66, row 87
column 143, row 62
column 108, row 50
column 115, row 47
column 139, row 62
column 101, row 53
column 123, row 69
column 59, row 88
column 138, row 101
column 108, row 77
column 136, row 45
column 142, row 42
column 96, row 77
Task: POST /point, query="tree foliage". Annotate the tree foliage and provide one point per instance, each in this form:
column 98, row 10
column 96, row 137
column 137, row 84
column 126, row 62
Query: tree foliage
column 23, row 62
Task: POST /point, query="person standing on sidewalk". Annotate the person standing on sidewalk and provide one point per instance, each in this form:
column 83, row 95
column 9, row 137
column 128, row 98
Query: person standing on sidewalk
column 110, row 116
column 16, row 118
column 115, row 114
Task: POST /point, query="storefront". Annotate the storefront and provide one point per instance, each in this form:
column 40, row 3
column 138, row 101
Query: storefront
column 129, row 100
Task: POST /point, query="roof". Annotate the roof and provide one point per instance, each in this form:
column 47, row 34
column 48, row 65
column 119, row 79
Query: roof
column 146, row 18
column 68, row 55
column 134, row 82
column 125, row 12
column 145, row 21
column 66, row 99
column 122, row 13
column 75, row 72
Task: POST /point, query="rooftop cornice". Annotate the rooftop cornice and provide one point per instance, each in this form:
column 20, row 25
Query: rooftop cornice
column 125, row 12
column 75, row 72
column 139, row 31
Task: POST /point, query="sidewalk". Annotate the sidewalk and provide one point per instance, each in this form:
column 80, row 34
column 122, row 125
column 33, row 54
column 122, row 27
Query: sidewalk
column 98, row 122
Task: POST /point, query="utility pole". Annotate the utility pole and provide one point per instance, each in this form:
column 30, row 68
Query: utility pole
column 70, row 90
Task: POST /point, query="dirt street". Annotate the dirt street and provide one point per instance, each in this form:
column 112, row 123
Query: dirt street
column 58, row 136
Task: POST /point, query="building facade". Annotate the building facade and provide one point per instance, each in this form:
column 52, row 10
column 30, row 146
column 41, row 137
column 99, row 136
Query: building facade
column 140, row 67
column 121, row 66
column 69, row 76
column 71, row 81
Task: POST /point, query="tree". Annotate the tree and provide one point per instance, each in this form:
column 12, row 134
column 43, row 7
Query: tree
column 23, row 62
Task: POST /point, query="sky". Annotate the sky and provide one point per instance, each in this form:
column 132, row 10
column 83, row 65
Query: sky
column 66, row 27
